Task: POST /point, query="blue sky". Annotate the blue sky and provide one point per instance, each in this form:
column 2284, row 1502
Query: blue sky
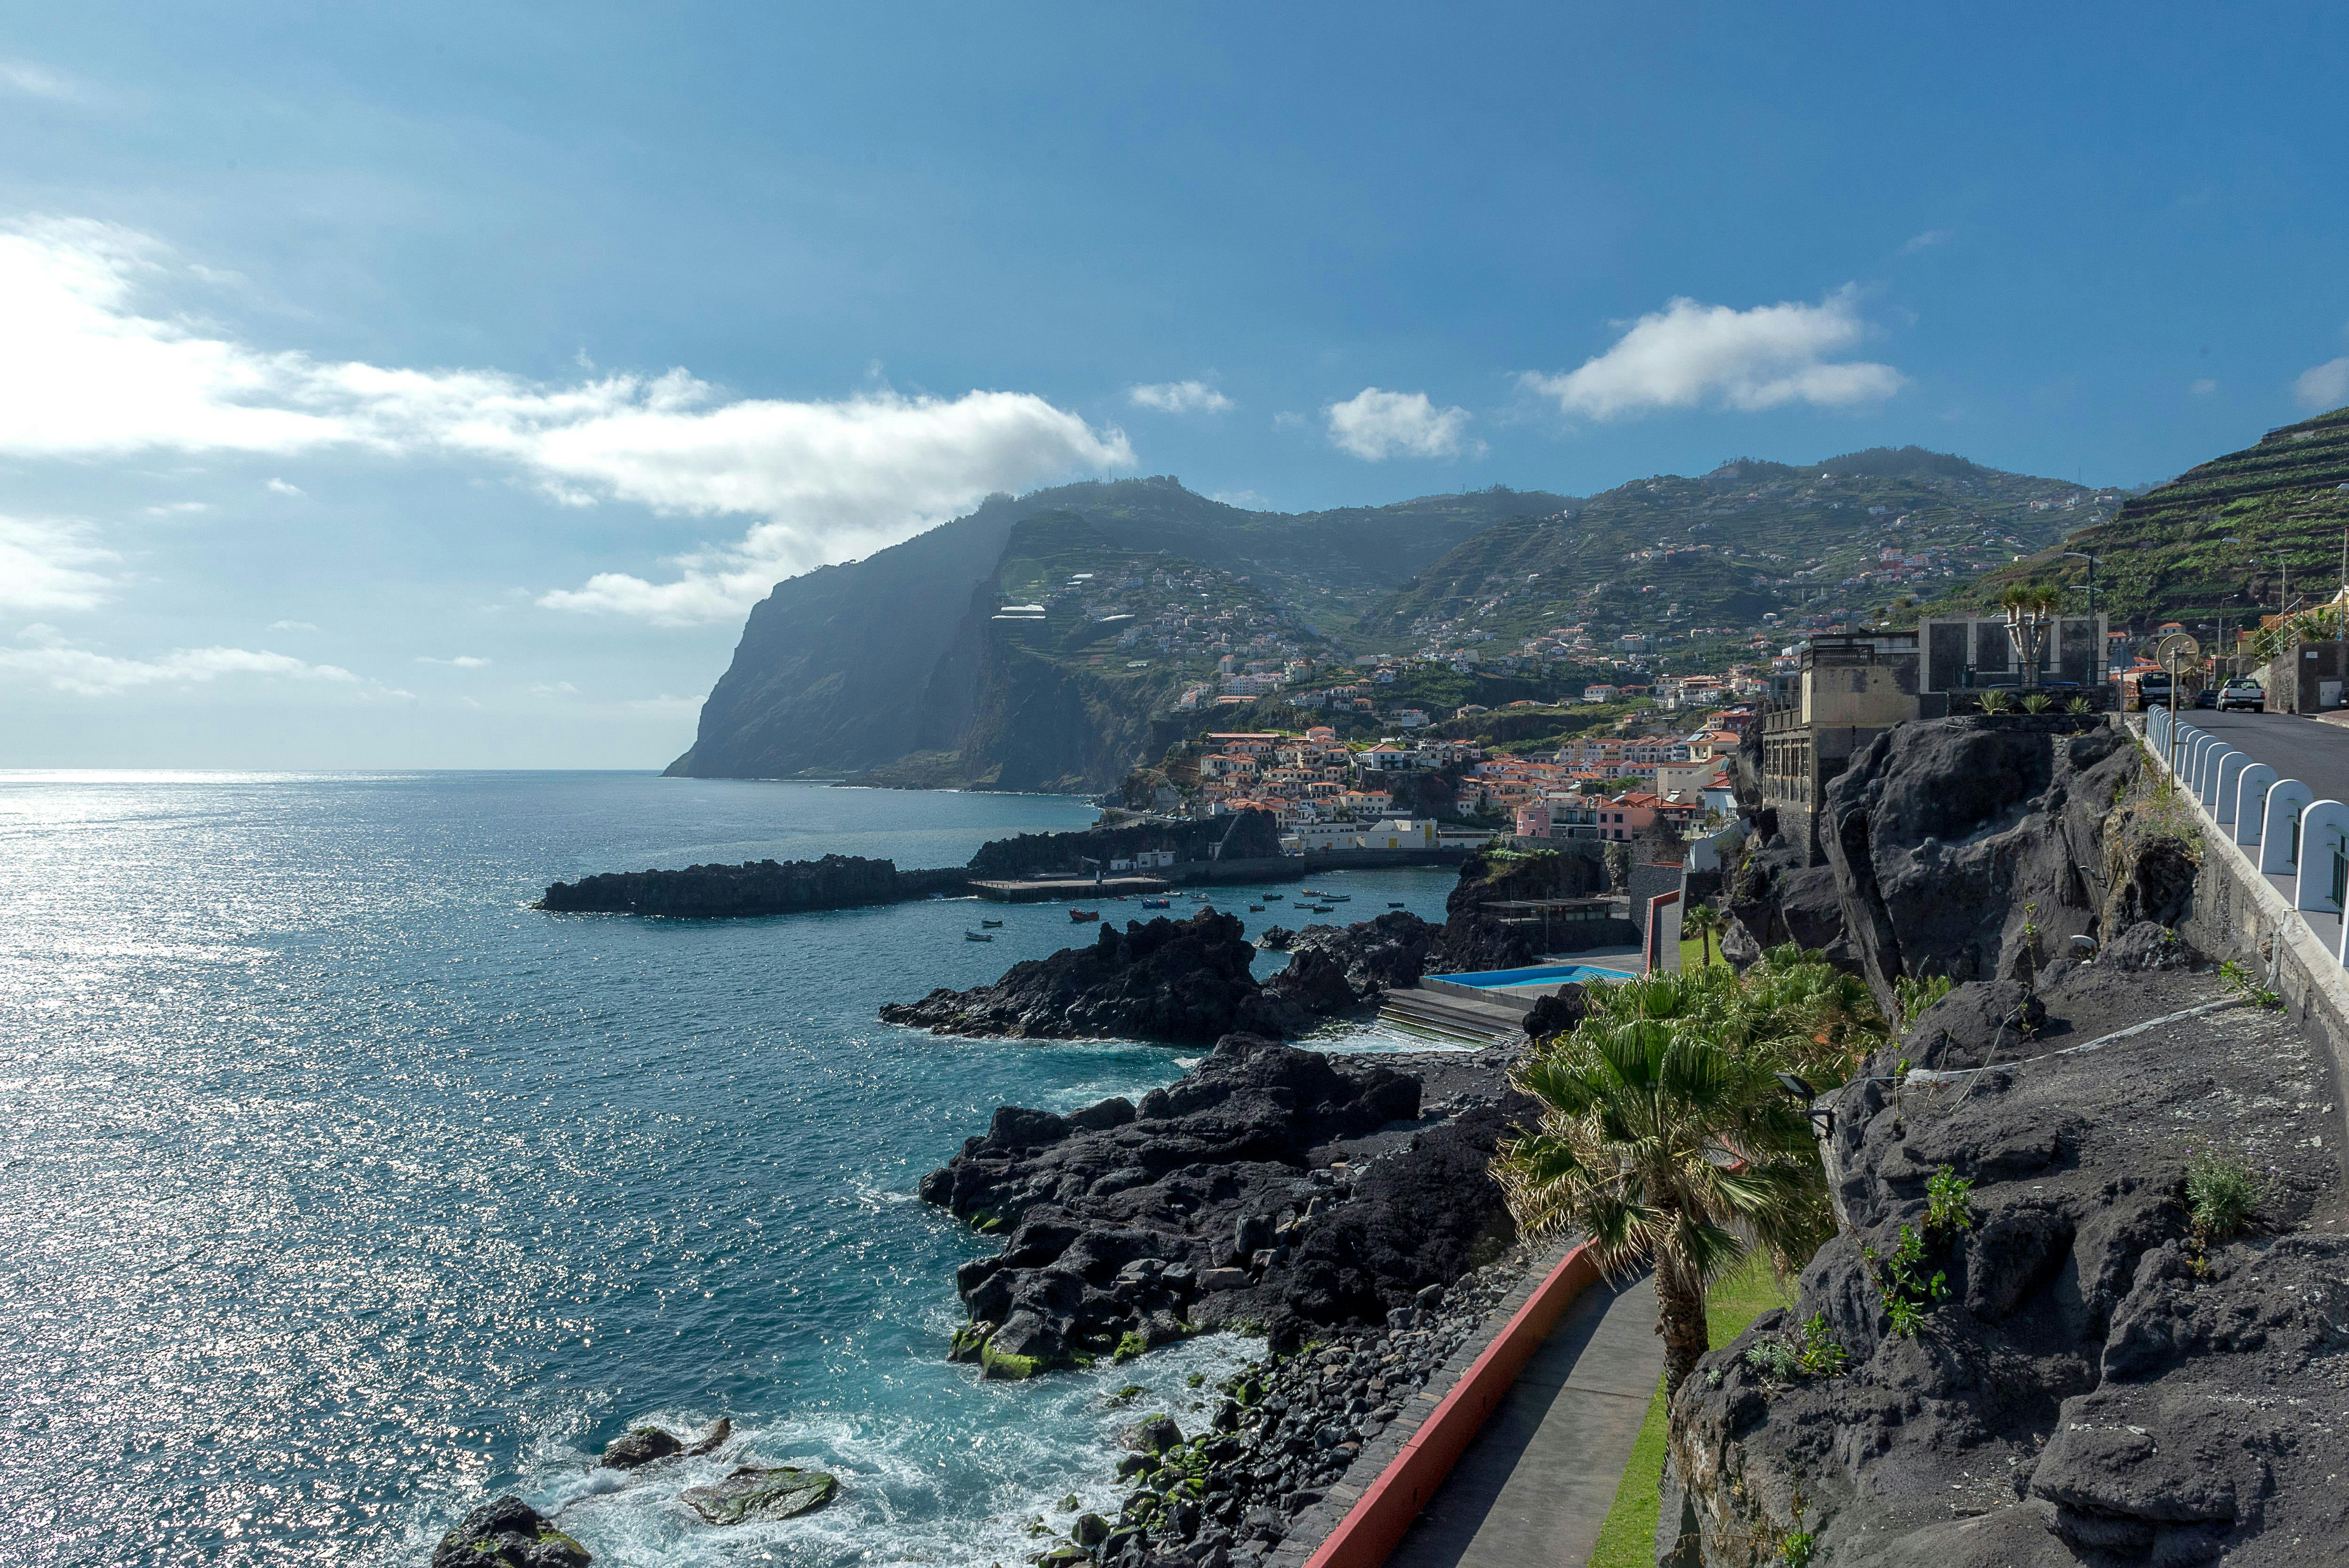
column 416, row 385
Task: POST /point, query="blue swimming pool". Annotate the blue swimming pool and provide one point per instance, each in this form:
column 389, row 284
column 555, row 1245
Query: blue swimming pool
column 1537, row 974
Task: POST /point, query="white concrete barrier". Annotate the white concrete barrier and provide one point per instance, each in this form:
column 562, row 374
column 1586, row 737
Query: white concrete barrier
column 2252, row 802
column 2280, row 838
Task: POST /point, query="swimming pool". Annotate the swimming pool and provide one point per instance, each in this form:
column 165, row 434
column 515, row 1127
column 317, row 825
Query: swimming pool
column 1538, row 975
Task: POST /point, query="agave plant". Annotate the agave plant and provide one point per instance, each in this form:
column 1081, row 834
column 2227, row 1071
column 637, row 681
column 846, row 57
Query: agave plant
column 1996, row 702
column 2038, row 702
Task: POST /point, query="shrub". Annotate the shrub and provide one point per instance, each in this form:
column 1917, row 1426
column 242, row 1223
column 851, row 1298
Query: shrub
column 1796, row 1547
column 1948, row 1203
column 2222, row 1194
column 2038, row 702
column 1996, row 702
column 1900, row 1280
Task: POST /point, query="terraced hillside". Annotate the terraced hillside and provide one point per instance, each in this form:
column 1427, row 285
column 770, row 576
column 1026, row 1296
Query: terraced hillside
column 1688, row 560
column 2227, row 537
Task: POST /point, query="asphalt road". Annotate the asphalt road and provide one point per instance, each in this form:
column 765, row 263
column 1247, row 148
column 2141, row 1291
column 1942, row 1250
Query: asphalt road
column 2316, row 753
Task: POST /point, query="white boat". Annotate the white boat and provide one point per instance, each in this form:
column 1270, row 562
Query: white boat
column 978, row 936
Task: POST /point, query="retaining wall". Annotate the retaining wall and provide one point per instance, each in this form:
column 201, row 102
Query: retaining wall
column 2237, row 914
column 1374, row 1522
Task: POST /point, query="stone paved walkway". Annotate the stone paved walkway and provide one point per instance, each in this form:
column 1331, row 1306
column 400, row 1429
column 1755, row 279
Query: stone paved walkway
column 1534, row 1487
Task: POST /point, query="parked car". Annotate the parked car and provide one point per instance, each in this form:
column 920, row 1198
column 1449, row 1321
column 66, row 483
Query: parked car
column 2243, row 692
column 2207, row 697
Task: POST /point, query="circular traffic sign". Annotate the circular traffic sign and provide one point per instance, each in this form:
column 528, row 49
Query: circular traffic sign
column 2178, row 647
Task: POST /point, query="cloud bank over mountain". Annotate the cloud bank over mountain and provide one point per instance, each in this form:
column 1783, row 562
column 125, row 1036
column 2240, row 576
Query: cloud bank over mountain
column 91, row 374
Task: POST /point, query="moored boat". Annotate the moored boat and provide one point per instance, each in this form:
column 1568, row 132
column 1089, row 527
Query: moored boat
column 1084, row 914
column 978, row 936
column 990, row 923
column 1156, row 903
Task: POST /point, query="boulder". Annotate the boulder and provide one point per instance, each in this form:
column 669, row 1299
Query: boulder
column 1970, row 847
column 761, row 1493
column 508, row 1533
column 638, row 1447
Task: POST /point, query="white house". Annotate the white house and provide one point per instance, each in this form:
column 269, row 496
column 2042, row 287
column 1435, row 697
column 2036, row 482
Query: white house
column 1598, row 694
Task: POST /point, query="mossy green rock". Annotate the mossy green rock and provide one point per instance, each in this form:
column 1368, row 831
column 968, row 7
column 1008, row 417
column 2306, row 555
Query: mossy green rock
column 761, row 1493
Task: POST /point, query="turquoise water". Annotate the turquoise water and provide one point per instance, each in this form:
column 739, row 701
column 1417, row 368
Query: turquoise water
column 1536, row 974
column 342, row 1190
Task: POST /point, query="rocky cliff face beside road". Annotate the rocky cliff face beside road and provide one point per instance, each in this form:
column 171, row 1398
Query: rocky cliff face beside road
column 1272, row 1187
column 2091, row 1382
column 1966, row 847
column 1180, row 981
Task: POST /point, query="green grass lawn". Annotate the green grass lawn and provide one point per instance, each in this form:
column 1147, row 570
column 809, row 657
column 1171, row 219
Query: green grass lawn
column 1693, row 952
column 1627, row 1539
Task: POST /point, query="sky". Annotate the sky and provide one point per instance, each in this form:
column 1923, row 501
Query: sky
column 436, row 387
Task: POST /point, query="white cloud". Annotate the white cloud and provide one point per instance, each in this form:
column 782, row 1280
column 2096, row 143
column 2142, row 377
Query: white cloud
column 2203, row 388
column 52, row 657
column 1178, row 398
column 179, row 508
column 1375, row 424
column 462, row 661
column 25, row 80
column 292, row 627
column 45, row 565
column 1687, row 355
column 2325, row 387
column 279, row 487
column 554, row 688
column 88, row 375
column 1928, row 240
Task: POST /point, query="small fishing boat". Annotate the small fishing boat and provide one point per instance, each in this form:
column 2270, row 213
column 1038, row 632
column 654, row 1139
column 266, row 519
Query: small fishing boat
column 990, row 923
column 978, row 936
column 1339, row 897
column 1394, row 904
column 1273, row 897
column 1156, row 902
column 1323, row 909
column 1082, row 915
column 1255, row 909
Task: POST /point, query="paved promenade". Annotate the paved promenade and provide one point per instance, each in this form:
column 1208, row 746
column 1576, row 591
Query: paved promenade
column 1534, row 1487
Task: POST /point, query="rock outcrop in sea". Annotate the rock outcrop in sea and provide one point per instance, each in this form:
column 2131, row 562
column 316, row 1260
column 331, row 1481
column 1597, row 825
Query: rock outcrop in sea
column 1271, row 1187
column 508, row 1533
column 752, row 888
column 1180, row 981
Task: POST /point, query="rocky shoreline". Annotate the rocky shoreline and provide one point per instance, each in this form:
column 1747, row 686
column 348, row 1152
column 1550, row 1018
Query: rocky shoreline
column 1181, row 981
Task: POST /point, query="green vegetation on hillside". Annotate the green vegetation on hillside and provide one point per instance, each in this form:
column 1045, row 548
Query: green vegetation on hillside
column 1696, row 560
column 2221, row 539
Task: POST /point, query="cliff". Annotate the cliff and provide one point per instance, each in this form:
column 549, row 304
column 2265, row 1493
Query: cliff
column 2045, row 1334
column 2094, row 1375
column 898, row 667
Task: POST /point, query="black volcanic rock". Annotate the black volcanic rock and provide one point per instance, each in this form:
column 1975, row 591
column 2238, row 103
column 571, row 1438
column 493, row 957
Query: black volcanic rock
column 1166, row 980
column 508, row 1533
column 752, row 888
column 1474, row 939
column 1221, row 1201
column 1179, row 981
column 2096, row 1384
column 1948, row 837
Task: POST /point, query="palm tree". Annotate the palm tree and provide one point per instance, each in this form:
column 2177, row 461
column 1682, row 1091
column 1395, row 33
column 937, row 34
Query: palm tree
column 1666, row 1139
column 1706, row 922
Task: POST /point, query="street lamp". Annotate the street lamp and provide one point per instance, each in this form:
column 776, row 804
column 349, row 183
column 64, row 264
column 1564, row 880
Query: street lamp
column 1821, row 1117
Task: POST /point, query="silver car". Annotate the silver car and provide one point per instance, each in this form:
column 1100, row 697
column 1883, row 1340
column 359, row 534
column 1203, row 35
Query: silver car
column 2243, row 693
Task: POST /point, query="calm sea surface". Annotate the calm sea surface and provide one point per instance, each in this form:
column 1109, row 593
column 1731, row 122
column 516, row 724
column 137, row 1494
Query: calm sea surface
column 340, row 1189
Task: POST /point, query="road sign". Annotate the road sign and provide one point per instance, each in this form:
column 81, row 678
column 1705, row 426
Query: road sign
column 2177, row 648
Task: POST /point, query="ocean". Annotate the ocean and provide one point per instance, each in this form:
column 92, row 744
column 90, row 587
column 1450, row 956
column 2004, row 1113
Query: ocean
column 342, row 1191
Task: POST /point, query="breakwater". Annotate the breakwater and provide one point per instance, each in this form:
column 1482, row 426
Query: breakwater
column 1245, row 847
